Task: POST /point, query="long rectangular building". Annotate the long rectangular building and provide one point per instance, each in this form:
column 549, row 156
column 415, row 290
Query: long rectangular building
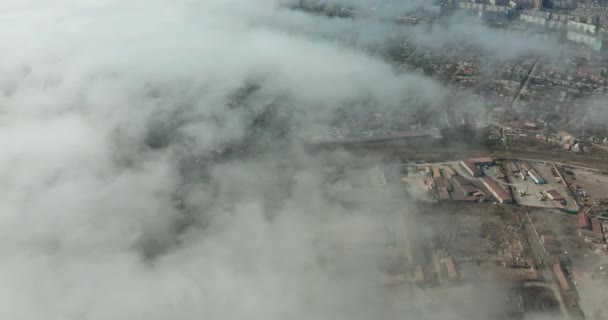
column 536, row 177
column 471, row 168
column 482, row 161
column 596, row 228
column 448, row 172
column 583, row 219
column 496, row 190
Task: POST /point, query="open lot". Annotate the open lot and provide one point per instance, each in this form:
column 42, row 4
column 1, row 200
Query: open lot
column 591, row 183
column 414, row 183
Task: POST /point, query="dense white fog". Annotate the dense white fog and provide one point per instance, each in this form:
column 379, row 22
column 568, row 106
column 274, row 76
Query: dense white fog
column 101, row 101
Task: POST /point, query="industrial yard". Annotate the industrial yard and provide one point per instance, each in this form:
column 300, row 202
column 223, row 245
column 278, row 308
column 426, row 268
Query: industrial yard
column 439, row 246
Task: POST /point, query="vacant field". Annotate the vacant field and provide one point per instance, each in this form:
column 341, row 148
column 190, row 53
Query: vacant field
column 593, row 183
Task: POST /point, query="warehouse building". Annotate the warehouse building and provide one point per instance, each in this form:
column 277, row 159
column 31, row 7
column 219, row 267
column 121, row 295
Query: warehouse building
column 448, row 172
column 536, row 177
column 497, row 191
column 462, row 186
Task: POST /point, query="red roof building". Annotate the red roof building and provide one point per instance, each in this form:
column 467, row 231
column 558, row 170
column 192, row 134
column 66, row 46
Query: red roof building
column 596, row 228
column 554, row 195
column 482, row 161
column 583, row 219
column 497, row 191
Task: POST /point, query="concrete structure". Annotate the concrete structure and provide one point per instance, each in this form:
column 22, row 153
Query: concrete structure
column 496, row 190
column 471, row 168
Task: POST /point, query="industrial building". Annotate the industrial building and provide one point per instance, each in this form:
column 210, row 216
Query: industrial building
column 536, row 177
column 462, row 186
column 471, row 168
column 497, row 191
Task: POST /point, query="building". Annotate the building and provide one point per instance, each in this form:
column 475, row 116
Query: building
column 583, row 220
column 442, row 183
column 581, row 27
column 448, row 172
column 436, row 172
column 497, row 191
column 483, row 161
column 577, row 52
column 560, row 276
column 528, row 125
column 596, row 229
column 462, row 186
column 419, row 275
column 471, row 168
column 555, row 196
column 592, row 40
column 535, row 17
column 451, row 269
column 536, row 177
column 443, row 194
